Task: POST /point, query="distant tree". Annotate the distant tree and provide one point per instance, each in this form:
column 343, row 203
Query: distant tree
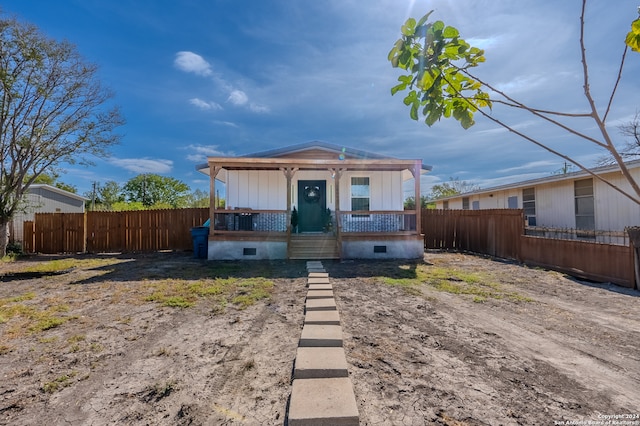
column 410, row 202
column 455, row 186
column 104, row 196
column 52, row 180
column 197, row 198
column 438, row 66
column 52, row 111
column 152, row 189
column 631, row 149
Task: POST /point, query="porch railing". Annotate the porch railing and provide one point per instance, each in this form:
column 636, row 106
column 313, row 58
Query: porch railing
column 377, row 221
column 250, row 220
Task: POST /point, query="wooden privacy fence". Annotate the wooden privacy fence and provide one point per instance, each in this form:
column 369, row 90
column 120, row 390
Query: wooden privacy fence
column 131, row 231
column 500, row 233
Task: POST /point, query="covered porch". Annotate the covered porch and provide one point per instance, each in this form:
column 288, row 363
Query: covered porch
column 324, row 229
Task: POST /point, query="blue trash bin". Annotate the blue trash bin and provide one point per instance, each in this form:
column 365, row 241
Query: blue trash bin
column 200, row 237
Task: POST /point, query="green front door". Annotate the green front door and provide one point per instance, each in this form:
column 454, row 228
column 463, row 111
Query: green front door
column 312, row 205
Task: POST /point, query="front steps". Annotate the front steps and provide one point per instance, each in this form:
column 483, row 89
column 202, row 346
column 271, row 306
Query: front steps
column 322, row 392
column 313, row 246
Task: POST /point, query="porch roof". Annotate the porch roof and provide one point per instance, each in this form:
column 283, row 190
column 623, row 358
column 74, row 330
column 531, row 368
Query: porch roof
column 315, row 156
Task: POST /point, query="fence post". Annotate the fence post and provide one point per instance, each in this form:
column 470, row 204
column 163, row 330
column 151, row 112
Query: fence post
column 634, row 243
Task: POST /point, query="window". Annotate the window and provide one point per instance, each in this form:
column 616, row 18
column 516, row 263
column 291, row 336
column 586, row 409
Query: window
column 529, row 205
column 465, row 203
column 360, row 194
column 445, row 204
column 475, row 205
column 512, row 202
column 585, row 211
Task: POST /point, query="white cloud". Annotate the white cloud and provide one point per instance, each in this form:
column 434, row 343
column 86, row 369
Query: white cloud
column 258, row 108
column 143, row 165
column 529, row 166
column 201, row 152
column 192, row 62
column 204, row 105
column 238, row 97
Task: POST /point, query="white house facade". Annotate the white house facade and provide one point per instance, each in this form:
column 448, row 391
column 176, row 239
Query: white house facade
column 350, row 201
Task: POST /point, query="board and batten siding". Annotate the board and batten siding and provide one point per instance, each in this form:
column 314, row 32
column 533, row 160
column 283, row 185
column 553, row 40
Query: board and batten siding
column 267, row 189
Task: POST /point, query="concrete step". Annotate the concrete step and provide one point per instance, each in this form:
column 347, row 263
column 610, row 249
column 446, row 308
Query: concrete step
column 317, row 280
column 320, row 287
column 320, row 305
column 322, row 318
column 323, row 402
column 320, row 363
column 319, row 294
column 319, row 275
column 321, row 335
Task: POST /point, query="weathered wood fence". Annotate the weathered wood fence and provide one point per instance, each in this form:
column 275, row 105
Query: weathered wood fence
column 95, row 232
column 500, row 233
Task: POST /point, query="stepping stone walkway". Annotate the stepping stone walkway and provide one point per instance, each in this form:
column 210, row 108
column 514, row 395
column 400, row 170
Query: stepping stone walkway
column 322, row 393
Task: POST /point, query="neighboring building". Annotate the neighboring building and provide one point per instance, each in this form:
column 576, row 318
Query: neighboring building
column 348, row 204
column 573, row 201
column 41, row 198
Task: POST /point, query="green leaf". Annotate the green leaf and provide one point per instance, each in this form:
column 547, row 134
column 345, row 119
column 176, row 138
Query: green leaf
column 450, row 32
column 414, row 111
column 396, row 89
column 633, row 38
column 424, row 18
column 409, row 27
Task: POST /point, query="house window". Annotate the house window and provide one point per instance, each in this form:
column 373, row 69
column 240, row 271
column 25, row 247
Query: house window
column 512, row 202
column 445, row 205
column 475, row 205
column 360, row 194
column 585, row 211
column 529, row 205
column 465, row 203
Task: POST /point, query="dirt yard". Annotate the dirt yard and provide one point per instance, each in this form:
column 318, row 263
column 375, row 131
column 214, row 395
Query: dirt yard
column 165, row 339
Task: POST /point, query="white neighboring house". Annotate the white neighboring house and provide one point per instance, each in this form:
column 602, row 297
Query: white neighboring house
column 573, row 201
column 41, row 198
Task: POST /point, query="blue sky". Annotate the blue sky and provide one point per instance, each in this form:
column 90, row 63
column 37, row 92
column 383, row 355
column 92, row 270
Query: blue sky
column 220, row 77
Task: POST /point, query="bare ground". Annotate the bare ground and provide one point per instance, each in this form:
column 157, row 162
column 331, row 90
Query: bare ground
column 533, row 347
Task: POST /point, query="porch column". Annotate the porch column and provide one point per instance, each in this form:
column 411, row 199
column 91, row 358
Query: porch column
column 337, row 174
column 213, row 172
column 289, row 172
column 417, row 168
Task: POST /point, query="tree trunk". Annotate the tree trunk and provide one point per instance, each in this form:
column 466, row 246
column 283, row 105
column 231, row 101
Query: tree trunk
column 4, row 237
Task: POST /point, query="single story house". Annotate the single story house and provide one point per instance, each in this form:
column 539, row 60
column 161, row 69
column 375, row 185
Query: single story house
column 577, row 202
column 42, row 198
column 313, row 200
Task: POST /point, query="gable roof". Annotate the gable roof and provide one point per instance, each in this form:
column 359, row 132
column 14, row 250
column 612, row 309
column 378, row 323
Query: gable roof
column 56, row 190
column 329, row 148
column 315, row 150
column 547, row 179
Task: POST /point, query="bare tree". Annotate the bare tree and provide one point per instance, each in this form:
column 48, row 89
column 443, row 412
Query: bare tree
column 52, row 111
column 440, row 81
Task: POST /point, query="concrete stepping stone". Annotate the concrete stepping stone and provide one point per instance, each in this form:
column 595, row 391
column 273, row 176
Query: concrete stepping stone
column 320, row 305
column 320, row 335
column 319, row 294
column 316, row 271
column 317, row 281
column 318, row 275
column 322, row 317
column 314, row 264
column 320, row 363
column 323, row 402
column 324, row 286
